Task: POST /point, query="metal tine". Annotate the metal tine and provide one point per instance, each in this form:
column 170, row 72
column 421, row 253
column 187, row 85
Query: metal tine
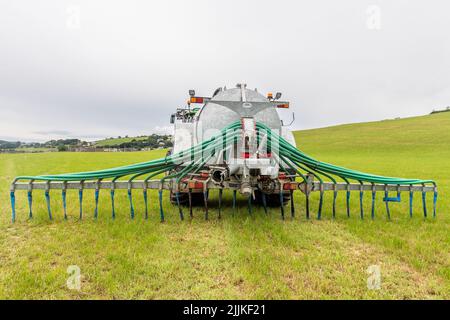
column 130, row 198
column 424, row 202
column 30, row 199
column 411, row 198
column 249, row 204
column 130, row 193
column 234, row 201
column 13, row 206
column 161, row 211
column 307, row 192
column 281, row 200
column 307, row 211
column 96, row 196
column 190, row 202
column 386, row 196
column 347, row 199
column 64, row 200
column 264, row 201
column 145, row 194
column 347, row 196
column 220, row 202
column 177, row 196
column 361, row 199
column 113, row 207
column 307, row 204
column 373, row 201
column 80, row 198
column 292, row 204
column 435, row 196
column 319, row 213
column 47, row 199
column 334, row 199
column 297, row 169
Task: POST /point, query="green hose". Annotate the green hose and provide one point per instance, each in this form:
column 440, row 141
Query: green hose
column 287, row 153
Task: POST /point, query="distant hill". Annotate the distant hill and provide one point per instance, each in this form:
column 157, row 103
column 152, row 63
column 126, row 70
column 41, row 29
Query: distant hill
column 416, row 136
column 114, row 142
column 153, row 141
column 440, row 111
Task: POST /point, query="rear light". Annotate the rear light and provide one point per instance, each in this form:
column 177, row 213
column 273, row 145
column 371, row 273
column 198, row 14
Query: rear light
column 195, row 185
column 270, row 96
column 282, row 175
column 283, row 106
column 290, row 186
column 196, row 100
column 246, row 155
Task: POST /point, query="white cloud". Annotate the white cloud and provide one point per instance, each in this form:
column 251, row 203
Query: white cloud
column 128, row 65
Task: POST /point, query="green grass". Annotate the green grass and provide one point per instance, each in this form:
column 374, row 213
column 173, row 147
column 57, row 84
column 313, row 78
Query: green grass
column 240, row 256
column 117, row 141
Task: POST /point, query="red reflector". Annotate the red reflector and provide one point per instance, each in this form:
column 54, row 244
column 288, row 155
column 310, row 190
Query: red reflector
column 195, row 185
column 290, row 186
column 196, row 100
column 284, row 105
column 246, row 155
column 204, row 174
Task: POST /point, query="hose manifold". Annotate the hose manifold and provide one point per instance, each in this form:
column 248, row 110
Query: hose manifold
column 219, row 175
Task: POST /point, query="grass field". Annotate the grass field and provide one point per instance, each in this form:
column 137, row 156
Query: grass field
column 240, row 256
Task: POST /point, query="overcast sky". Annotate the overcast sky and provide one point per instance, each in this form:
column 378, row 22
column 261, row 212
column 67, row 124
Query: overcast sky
column 93, row 69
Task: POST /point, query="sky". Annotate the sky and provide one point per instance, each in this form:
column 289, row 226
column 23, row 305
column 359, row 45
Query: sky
column 93, row 69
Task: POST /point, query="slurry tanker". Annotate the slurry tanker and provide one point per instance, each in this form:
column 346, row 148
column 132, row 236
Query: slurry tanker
column 233, row 141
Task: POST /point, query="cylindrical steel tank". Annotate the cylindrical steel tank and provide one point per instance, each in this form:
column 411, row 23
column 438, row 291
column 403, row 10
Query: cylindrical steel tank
column 213, row 117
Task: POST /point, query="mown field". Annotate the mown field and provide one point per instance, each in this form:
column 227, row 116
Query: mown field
column 241, row 256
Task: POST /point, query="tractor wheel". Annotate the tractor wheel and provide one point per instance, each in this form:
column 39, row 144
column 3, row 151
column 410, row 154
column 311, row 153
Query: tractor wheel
column 272, row 200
